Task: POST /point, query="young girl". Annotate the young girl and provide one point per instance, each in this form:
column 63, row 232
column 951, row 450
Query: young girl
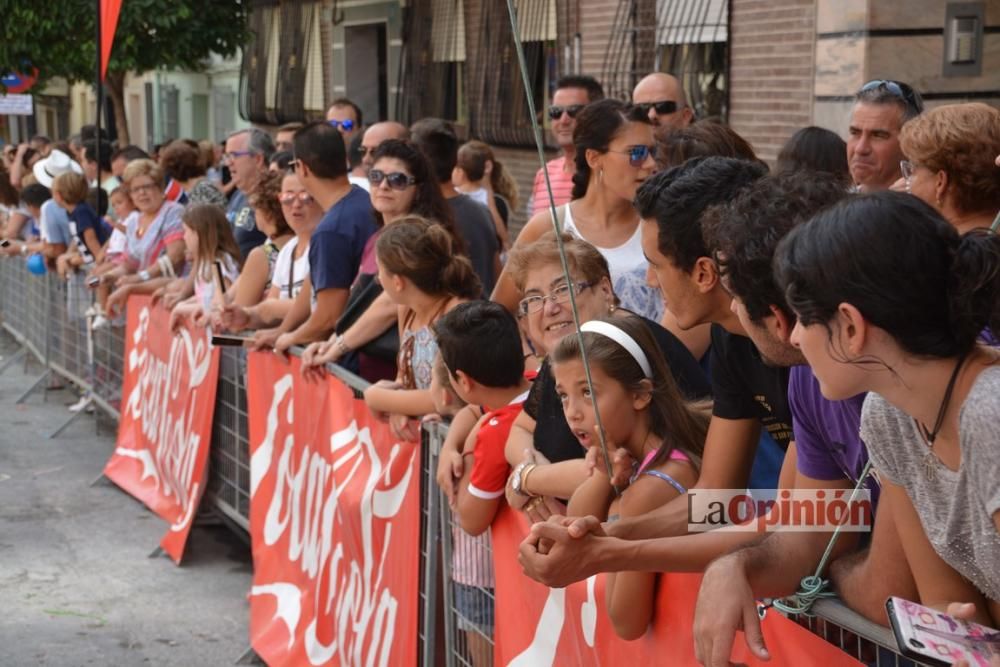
column 208, row 237
column 643, row 416
column 481, row 176
column 890, row 300
column 420, row 271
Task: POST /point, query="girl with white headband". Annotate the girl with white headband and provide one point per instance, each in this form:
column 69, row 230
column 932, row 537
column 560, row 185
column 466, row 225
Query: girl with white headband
column 642, row 413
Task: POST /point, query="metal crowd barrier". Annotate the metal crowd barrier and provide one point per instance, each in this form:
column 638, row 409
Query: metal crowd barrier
column 47, row 318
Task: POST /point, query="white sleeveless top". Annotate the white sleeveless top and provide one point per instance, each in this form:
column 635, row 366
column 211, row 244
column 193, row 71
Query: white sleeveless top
column 628, row 272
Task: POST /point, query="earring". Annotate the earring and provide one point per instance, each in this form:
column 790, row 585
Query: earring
column 611, row 309
column 600, row 174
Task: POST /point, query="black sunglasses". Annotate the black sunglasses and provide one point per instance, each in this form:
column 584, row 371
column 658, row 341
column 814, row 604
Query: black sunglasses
column 662, row 108
column 555, row 113
column 896, row 89
column 397, row 180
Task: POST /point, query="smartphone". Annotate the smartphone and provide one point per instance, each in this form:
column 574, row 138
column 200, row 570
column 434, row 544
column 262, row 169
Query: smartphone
column 5, row 243
column 935, row 638
column 219, row 278
column 230, row 340
column 93, row 281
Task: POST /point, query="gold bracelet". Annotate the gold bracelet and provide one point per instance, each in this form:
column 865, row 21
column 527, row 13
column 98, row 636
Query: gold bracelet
column 524, row 479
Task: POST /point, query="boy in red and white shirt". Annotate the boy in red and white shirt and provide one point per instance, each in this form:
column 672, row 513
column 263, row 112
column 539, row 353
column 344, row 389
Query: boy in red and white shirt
column 480, row 345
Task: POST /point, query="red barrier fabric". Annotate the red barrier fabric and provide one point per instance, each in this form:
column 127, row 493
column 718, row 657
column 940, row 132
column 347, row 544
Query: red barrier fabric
column 110, row 9
column 334, row 524
column 538, row 626
column 165, row 432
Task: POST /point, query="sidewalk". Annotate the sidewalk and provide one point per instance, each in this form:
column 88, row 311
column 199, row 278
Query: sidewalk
column 77, row 585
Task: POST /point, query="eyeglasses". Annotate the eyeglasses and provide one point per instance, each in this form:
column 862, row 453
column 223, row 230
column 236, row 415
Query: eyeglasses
column 289, row 198
column 897, row 89
column 555, row 113
column 229, row 157
column 637, row 155
column 347, row 125
column 662, row 108
column 397, row 180
column 533, row 304
column 138, row 189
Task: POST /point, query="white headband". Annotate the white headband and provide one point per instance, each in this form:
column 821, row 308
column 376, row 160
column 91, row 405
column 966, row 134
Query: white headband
column 614, row 333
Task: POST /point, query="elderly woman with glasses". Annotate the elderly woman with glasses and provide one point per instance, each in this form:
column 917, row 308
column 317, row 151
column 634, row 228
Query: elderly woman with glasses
column 615, row 152
column 540, row 435
column 950, row 162
column 154, row 248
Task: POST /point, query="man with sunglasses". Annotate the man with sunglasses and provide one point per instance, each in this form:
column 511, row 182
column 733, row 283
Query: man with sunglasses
column 346, row 116
column 572, row 94
column 873, row 153
column 247, row 154
column 375, row 135
column 662, row 98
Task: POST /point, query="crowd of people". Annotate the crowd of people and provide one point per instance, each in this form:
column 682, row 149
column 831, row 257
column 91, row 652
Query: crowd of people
column 724, row 325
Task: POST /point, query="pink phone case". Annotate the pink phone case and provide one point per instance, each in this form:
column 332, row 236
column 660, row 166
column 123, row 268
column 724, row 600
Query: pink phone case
column 934, row 637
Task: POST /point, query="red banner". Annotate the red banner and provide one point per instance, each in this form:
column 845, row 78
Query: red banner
column 538, row 626
column 165, row 432
column 334, row 524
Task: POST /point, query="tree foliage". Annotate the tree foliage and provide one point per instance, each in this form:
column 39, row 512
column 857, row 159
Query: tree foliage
column 58, row 37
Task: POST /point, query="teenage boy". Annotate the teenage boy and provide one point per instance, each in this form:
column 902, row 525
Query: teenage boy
column 493, row 376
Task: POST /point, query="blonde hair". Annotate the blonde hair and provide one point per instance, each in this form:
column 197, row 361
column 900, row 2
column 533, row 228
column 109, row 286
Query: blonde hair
column 963, row 141
column 144, row 167
column 72, row 187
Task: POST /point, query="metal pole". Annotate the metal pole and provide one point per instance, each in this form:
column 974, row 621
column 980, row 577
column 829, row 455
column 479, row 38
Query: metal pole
column 100, row 94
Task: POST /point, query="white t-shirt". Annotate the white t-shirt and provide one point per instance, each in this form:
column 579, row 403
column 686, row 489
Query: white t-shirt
column 116, row 243
column 285, row 274
column 360, row 182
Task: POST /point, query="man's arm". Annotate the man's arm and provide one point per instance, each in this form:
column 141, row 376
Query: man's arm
column 864, row 579
column 330, row 305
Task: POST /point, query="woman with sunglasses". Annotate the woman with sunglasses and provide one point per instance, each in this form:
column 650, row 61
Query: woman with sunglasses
column 291, row 267
column 402, row 184
column 614, row 154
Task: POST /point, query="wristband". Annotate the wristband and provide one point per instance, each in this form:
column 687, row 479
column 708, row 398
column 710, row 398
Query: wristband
column 144, row 275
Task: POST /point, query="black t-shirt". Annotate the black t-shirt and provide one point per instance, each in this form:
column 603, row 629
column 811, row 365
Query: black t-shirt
column 553, row 437
column 746, row 388
column 475, row 223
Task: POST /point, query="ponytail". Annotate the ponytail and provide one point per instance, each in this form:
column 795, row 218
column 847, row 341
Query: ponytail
column 504, row 184
column 974, row 287
column 425, row 253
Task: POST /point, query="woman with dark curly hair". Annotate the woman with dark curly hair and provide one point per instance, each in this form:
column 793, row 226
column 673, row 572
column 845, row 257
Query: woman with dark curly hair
column 258, row 269
column 950, row 163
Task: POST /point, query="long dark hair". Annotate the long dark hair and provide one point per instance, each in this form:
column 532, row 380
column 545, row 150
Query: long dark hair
column 596, row 127
column 814, row 149
column 680, row 424
column 901, row 264
column 429, row 202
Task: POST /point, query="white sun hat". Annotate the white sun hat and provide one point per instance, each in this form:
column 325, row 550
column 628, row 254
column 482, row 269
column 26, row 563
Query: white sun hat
column 55, row 164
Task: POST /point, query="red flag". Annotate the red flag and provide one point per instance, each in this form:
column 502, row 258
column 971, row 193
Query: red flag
column 109, row 23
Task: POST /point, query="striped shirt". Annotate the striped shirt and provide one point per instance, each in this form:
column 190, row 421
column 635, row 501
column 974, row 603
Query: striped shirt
column 562, row 186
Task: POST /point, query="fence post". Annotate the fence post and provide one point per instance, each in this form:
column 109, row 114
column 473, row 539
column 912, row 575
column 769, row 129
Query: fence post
column 431, row 446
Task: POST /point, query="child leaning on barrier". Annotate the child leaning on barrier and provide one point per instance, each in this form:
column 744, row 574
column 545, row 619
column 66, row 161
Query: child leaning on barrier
column 480, row 347
column 208, row 238
column 69, row 191
column 645, row 419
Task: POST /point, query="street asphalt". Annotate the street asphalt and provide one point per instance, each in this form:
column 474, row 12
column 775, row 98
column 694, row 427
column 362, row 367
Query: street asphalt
column 77, row 585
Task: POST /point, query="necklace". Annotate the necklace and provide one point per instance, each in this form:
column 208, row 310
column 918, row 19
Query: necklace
column 931, row 462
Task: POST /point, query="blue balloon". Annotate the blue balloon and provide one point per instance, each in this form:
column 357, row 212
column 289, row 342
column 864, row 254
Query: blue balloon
column 36, row 264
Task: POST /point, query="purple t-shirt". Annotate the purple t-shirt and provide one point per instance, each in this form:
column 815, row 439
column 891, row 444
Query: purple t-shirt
column 827, row 433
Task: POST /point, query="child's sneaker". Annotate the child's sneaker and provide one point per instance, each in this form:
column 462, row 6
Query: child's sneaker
column 99, row 322
column 83, row 404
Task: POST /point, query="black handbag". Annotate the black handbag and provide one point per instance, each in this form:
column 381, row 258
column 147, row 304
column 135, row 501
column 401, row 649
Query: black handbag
column 365, row 290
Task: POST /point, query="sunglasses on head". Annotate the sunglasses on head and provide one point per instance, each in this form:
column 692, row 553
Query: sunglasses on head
column 637, row 155
column 896, row 89
column 555, row 113
column 397, row 180
column 662, row 108
column 348, row 124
